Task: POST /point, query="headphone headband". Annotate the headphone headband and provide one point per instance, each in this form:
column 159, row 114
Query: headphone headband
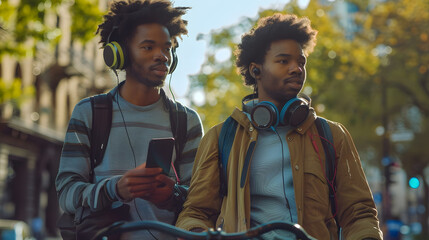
column 250, row 97
column 115, row 56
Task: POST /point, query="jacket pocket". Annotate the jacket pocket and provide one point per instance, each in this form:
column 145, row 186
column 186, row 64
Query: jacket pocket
column 316, row 207
column 316, row 191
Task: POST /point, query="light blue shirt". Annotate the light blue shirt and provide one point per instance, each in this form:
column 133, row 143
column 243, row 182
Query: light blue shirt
column 271, row 184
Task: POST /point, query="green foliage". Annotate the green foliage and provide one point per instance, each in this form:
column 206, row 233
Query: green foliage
column 397, row 32
column 25, row 26
column 222, row 84
column 85, row 17
column 27, row 21
column 14, row 92
column 402, row 28
column 6, row 11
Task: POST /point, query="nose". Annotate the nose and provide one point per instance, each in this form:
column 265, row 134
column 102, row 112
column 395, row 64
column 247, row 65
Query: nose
column 160, row 56
column 296, row 69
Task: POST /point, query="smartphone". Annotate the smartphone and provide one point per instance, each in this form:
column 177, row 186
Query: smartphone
column 160, row 153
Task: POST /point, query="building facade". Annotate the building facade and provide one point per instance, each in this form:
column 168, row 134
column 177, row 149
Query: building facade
column 31, row 134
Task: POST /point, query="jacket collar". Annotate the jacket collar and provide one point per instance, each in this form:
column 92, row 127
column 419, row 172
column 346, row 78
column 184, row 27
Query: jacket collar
column 302, row 129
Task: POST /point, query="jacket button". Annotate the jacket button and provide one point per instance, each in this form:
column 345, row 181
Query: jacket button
column 296, row 167
column 251, row 129
column 299, row 129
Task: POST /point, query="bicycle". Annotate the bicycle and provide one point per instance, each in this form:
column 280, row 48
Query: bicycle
column 121, row 227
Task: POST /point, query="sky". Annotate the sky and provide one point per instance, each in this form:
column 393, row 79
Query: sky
column 204, row 17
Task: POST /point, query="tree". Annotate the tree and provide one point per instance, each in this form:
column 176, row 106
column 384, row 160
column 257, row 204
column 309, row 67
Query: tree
column 27, row 23
column 86, row 15
column 12, row 92
column 24, row 30
column 397, row 32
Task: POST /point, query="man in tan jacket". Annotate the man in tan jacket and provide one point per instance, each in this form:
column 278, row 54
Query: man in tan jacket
column 275, row 170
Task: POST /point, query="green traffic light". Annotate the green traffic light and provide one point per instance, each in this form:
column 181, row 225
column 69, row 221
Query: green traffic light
column 414, row 182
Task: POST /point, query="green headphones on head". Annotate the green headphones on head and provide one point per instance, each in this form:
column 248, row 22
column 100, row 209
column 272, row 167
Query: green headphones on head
column 115, row 57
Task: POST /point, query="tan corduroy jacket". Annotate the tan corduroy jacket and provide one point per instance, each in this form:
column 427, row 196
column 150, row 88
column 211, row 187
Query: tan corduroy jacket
column 356, row 209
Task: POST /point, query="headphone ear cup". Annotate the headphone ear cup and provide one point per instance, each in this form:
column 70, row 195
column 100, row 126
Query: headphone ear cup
column 294, row 112
column 114, row 56
column 265, row 115
column 174, row 61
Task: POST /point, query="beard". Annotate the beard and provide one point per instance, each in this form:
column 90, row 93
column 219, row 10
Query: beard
column 141, row 77
column 150, row 83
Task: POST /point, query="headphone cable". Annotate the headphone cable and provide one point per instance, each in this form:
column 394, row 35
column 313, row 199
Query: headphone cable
column 177, row 127
column 129, row 142
column 283, row 174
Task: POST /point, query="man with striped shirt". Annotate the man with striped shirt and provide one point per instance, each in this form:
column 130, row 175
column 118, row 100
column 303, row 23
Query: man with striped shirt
column 147, row 32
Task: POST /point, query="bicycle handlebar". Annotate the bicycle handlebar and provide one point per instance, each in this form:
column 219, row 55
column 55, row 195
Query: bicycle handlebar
column 121, row 227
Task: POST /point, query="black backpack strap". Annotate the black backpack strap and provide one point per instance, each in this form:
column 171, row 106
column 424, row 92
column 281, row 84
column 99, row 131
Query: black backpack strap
column 179, row 126
column 101, row 123
column 330, row 163
column 226, row 138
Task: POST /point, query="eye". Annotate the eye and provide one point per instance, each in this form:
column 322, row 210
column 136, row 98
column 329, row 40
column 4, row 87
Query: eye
column 147, row 47
column 283, row 61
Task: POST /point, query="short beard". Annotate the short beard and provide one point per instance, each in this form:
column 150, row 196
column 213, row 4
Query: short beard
column 152, row 84
column 282, row 98
column 144, row 80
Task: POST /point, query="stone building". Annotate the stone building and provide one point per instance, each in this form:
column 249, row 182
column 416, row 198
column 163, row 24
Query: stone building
column 31, row 135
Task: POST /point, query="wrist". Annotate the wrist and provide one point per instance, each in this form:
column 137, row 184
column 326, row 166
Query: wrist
column 118, row 196
column 110, row 188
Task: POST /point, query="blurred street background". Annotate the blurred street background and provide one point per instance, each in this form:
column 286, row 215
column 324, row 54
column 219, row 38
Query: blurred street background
column 369, row 71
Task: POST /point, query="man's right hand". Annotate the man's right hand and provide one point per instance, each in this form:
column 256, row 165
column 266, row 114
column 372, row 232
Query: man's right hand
column 138, row 182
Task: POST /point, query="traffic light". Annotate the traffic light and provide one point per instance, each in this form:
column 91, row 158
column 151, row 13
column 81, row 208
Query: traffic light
column 414, row 182
column 389, row 172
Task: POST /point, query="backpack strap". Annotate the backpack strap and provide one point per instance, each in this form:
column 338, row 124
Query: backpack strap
column 179, row 126
column 330, row 164
column 101, row 123
column 226, row 138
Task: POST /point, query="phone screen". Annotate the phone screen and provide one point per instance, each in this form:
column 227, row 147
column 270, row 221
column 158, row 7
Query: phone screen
column 160, row 153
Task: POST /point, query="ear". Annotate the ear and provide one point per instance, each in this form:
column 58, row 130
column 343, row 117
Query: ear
column 255, row 70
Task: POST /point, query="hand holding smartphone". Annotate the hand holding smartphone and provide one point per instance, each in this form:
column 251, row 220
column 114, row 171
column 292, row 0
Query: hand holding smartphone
column 160, row 153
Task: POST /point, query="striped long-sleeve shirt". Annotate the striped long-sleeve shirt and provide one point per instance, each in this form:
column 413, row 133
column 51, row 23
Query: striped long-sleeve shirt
column 135, row 126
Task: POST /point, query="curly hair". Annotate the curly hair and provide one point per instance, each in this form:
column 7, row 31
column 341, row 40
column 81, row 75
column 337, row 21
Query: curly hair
column 255, row 44
column 127, row 15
